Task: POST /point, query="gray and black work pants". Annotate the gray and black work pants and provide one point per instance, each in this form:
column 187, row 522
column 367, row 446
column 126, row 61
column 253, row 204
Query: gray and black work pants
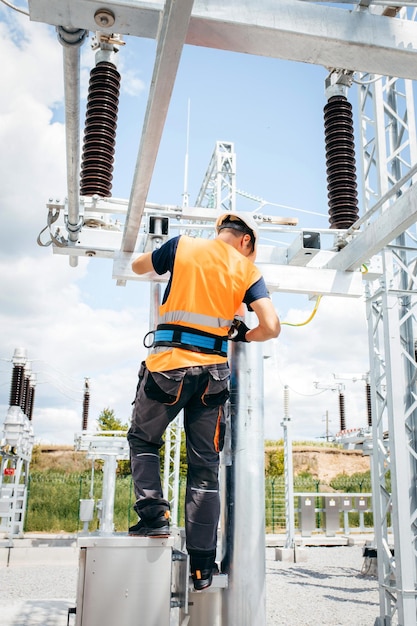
column 201, row 391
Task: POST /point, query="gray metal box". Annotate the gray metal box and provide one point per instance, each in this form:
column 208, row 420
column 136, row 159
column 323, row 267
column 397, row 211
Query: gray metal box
column 307, row 515
column 124, row 580
column 87, row 510
column 346, row 503
column 362, row 503
column 303, row 248
column 331, row 515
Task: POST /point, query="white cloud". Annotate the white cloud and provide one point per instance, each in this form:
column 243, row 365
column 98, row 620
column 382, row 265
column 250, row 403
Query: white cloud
column 334, row 342
column 33, row 147
column 68, row 340
column 56, row 425
column 33, row 69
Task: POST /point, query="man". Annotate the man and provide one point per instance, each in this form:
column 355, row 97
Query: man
column 188, row 369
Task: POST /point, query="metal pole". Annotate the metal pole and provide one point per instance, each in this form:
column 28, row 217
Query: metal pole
column 109, row 488
column 171, row 474
column 72, row 39
column 155, row 302
column 244, row 535
column 289, row 472
column 157, row 241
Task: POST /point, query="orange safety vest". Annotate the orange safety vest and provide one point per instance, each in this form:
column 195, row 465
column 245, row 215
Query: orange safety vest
column 209, row 281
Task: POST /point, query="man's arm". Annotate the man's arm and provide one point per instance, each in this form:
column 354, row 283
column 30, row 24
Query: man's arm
column 268, row 322
column 143, row 264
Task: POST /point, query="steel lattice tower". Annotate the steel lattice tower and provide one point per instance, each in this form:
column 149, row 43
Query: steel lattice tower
column 389, row 150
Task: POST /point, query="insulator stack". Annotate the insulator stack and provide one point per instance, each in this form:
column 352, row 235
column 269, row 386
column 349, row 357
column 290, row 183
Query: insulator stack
column 286, row 401
column 25, row 395
column 342, row 411
column 100, row 130
column 31, row 401
column 16, row 390
column 368, row 404
column 340, row 161
column 86, row 405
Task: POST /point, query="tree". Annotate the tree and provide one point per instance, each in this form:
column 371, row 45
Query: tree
column 274, row 462
column 108, row 421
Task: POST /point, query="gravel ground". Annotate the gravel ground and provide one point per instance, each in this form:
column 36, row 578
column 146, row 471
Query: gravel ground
column 325, row 589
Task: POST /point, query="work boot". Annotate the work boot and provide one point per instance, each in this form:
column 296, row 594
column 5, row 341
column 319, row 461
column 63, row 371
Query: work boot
column 154, row 519
column 202, row 570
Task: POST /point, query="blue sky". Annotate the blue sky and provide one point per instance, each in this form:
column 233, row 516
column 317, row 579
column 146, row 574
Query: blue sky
column 75, row 322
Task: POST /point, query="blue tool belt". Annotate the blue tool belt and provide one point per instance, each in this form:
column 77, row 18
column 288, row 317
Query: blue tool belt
column 186, row 338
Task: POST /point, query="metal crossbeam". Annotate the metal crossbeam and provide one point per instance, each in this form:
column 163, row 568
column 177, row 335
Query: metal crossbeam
column 170, row 43
column 378, row 234
column 289, row 29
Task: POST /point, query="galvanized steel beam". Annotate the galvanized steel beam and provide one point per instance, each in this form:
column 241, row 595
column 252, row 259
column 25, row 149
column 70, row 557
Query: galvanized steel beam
column 289, row 29
column 170, row 43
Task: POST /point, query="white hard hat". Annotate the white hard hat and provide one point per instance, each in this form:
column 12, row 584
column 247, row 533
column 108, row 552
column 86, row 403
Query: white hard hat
column 242, row 222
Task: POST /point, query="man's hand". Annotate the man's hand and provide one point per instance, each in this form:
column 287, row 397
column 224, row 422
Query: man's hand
column 238, row 331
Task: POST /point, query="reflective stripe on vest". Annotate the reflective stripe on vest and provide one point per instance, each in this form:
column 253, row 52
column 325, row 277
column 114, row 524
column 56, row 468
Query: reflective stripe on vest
column 209, row 282
column 172, row 317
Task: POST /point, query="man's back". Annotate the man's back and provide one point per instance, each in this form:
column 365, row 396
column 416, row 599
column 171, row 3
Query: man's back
column 208, row 284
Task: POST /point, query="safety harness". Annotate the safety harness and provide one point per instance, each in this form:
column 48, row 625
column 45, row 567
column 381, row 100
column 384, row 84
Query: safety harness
column 186, row 338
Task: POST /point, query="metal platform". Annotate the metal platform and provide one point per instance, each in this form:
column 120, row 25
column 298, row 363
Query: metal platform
column 125, row 580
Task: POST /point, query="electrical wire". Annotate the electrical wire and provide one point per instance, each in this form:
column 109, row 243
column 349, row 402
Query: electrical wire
column 66, row 386
column 12, row 6
column 310, row 317
column 263, row 203
column 366, row 82
column 61, row 391
column 285, row 384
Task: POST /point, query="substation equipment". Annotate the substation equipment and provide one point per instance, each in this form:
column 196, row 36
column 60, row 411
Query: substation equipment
column 371, row 44
column 16, row 444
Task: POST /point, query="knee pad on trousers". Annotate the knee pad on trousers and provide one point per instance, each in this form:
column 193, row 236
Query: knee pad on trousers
column 203, row 477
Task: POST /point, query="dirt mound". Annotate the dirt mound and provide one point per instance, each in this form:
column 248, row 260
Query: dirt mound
column 326, row 463
column 59, row 458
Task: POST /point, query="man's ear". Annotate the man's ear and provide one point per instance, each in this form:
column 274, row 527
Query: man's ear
column 248, row 245
column 247, row 240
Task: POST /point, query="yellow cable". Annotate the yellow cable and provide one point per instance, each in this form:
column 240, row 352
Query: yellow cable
column 309, row 319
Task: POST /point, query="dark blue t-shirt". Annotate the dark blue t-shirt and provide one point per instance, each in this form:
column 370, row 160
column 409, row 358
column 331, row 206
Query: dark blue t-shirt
column 163, row 261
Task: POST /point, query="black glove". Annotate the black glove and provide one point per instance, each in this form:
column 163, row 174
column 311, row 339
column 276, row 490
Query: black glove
column 238, row 331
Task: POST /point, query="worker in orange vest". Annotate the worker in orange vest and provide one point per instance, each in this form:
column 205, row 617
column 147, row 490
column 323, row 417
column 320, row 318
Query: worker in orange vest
column 188, row 370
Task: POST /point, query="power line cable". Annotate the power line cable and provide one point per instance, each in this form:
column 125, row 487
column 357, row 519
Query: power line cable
column 15, row 8
column 299, row 393
column 263, row 203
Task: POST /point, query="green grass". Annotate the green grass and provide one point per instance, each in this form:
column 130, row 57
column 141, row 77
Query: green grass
column 54, row 497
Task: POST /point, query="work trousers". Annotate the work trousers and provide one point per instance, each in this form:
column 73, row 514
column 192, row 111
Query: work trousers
column 201, row 391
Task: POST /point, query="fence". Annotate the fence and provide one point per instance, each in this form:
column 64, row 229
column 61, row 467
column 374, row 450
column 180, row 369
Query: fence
column 53, row 504
column 317, row 511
